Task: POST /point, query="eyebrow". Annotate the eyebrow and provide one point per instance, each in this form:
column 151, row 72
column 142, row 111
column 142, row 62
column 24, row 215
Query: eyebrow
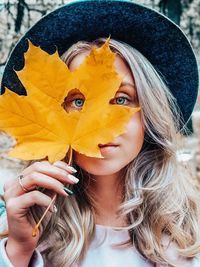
column 126, row 83
column 131, row 85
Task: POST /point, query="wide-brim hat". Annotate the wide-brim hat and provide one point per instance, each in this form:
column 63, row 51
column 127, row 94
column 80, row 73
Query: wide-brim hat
column 160, row 40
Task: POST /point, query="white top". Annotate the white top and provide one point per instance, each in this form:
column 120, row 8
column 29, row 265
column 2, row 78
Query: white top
column 102, row 254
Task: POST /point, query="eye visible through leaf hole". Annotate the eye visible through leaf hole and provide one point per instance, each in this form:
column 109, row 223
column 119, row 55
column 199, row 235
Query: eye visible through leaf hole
column 74, row 101
column 121, row 100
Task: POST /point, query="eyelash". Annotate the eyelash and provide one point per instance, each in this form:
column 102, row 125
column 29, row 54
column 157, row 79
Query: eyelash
column 114, row 101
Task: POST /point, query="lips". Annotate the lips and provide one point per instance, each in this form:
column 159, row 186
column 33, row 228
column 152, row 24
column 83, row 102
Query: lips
column 108, row 145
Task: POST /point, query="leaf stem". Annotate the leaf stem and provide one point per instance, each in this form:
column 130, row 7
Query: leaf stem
column 70, row 152
column 36, row 228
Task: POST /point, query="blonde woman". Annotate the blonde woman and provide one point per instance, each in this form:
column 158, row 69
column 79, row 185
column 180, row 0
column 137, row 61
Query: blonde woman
column 136, row 206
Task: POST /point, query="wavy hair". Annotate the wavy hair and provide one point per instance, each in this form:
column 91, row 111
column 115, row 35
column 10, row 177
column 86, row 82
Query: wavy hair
column 159, row 198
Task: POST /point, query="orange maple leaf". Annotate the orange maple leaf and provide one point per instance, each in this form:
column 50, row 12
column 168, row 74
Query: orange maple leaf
column 38, row 121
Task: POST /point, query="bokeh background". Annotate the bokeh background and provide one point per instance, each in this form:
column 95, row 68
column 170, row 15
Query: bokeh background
column 17, row 16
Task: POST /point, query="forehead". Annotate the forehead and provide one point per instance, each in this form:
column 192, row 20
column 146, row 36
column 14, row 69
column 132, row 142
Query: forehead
column 121, row 66
column 77, row 60
column 123, row 69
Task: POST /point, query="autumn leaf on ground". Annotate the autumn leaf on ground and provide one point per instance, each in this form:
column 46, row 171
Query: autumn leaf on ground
column 39, row 122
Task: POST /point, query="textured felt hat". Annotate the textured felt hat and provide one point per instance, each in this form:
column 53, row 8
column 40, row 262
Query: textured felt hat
column 154, row 35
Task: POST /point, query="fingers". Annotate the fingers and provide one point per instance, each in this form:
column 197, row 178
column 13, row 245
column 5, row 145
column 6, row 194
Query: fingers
column 35, row 179
column 58, row 170
column 60, row 173
column 42, row 174
column 22, row 203
column 51, row 177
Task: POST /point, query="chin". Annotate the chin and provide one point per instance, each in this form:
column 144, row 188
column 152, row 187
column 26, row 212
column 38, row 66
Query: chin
column 99, row 167
column 101, row 172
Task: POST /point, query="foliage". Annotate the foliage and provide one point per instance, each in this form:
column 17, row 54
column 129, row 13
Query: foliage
column 38, row 121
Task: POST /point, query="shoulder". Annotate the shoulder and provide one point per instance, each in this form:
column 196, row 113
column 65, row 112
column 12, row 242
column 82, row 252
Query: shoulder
column 171, row 252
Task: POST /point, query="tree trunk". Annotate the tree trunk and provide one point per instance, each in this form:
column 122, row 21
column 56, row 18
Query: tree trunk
column 172, row 9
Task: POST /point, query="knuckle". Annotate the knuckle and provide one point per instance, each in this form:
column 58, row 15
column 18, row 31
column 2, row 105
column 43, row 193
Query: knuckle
column 10, row 204
column 33, row 177
column 35, row 195
column 37, row 165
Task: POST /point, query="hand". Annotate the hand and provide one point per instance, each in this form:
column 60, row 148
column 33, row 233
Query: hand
column 20, row 223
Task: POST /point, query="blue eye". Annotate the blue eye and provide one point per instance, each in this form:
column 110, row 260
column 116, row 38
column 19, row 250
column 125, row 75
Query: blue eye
column 78, row 102
column 121, row 100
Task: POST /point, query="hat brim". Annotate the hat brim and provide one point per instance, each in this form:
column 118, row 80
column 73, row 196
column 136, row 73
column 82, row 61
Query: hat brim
column 154, row 35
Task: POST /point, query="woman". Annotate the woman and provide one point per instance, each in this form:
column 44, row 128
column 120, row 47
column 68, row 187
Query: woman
column 138, row 187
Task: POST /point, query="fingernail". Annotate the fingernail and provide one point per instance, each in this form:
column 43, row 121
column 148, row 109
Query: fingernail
column 73, row 178
column 67, row 190
column 72, row 169
column 55, row 209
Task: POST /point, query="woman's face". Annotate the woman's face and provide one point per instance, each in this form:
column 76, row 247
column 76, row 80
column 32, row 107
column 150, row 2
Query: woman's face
column 124, row 148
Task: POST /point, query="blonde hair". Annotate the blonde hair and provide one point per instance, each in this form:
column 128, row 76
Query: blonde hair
column 159, row 198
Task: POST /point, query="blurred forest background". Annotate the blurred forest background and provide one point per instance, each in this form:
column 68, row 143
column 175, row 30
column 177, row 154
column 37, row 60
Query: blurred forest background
column 17, row 16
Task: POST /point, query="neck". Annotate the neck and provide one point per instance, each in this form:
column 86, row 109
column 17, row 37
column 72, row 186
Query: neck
column 108, row 192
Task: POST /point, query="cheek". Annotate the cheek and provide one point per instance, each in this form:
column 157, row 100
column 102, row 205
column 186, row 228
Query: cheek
column 134, row 136
column 79, row 159
column 135, row 129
